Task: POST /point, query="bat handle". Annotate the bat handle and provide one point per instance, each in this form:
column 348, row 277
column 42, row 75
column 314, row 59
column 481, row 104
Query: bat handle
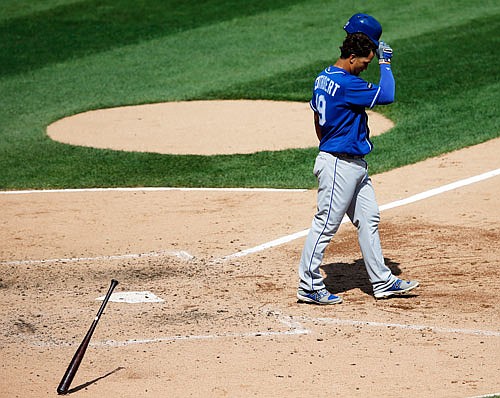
column 114, row 282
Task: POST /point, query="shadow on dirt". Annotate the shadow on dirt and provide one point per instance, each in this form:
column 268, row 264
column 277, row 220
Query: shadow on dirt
column 85, row 385
column 341, row 277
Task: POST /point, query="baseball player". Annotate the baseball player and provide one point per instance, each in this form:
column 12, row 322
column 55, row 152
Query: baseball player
column 339, row 100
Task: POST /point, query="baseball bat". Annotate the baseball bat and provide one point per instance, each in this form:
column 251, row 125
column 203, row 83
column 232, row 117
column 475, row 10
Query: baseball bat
column 80, row 352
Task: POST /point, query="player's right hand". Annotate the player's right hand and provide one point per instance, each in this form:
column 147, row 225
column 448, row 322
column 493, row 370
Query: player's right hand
column 384, row 53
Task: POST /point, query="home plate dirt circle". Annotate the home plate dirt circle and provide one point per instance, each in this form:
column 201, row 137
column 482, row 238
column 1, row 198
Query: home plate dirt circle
column 198, row 127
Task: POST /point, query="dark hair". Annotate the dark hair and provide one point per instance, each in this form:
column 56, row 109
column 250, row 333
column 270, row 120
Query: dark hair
column 358, row 44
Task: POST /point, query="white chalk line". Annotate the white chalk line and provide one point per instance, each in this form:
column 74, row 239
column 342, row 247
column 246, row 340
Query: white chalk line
column 435, row 329
column 183, row 255
column 252, row 250
column 397, row 203
column 112, row 343
column 294, row 328
column 295, row 325
column 148, row 189
column 442, row 189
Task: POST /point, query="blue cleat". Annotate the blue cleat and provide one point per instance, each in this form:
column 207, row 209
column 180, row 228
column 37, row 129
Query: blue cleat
column 397, row 288
column 321, row 296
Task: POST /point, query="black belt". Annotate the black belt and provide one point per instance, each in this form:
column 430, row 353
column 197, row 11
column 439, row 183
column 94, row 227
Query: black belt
column 346, row 155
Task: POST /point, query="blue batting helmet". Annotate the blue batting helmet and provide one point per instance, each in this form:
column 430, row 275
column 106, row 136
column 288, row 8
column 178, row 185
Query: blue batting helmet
column 364, row 23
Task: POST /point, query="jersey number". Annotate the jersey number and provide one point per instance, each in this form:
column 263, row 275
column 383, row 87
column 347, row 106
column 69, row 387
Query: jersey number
column 321, row 105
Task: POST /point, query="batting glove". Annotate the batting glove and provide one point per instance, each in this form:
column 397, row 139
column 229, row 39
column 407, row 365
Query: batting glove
column 384, row 53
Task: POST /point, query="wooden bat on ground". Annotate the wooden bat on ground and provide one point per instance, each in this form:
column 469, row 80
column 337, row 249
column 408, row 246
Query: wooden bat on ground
column 80, row 352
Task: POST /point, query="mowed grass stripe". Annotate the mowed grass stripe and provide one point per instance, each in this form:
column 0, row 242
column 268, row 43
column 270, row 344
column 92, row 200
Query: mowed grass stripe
column 82, row 28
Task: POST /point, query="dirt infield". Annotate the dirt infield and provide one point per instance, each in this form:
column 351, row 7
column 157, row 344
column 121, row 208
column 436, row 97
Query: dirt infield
column 231, row 327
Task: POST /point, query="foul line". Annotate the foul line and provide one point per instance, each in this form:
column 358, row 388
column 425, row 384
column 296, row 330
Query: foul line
column 277, row 242
column 397, row 203
column 442, row 189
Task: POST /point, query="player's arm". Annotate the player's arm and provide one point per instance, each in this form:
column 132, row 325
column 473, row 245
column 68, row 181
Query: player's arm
column 317, row 127
column 368, row 95
column 387, row 84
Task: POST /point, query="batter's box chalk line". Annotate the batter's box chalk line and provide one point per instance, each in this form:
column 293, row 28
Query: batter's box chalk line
column 181, row 254
column 293, row 328
column 435, row 329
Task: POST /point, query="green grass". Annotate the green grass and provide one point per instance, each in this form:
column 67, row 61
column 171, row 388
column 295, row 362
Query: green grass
column 61, row 57
column 78, row 29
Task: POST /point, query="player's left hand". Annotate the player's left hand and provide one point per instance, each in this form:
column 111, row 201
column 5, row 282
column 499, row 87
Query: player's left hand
column 384, row 53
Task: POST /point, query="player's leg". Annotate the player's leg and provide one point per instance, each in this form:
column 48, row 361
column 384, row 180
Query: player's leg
column 337, row 181
column 364, row 214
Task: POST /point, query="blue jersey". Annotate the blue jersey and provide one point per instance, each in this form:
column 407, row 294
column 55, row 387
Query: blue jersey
column 340, row 100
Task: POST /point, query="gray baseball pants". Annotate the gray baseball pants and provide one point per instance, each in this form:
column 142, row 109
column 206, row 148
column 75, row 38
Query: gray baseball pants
column 344, row 187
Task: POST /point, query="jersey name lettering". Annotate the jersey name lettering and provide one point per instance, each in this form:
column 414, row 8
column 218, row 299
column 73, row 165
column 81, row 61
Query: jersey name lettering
column 326, row 84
